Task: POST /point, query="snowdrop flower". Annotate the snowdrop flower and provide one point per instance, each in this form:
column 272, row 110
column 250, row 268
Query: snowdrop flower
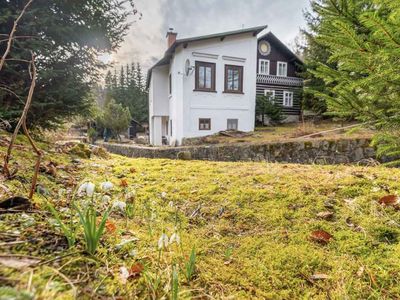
column 106, row 186
column 163, row 241
column 123, row 274
column 163, row 195
column 175, row 238
column 120, row 205
column 88, row 188
column 106, row 198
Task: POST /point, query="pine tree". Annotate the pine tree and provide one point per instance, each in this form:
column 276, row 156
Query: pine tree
column 363, row 38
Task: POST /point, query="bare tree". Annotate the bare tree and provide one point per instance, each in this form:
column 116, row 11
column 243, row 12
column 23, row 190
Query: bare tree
column 22, row 119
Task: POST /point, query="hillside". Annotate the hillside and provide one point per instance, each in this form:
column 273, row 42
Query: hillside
column 260, row 231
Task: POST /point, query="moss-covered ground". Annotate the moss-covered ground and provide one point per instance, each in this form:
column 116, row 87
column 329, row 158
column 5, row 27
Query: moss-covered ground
column 249, row 223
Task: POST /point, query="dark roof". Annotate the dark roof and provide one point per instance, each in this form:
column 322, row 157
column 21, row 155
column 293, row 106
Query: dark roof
column 168, row 54
column 281, row 45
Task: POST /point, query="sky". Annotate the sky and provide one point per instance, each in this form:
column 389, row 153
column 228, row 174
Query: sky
column 145, row 42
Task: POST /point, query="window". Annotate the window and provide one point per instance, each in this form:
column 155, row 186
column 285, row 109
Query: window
column 233, row 79
column 270, row 94
column 281, row 69
column 204, row 124
column 288, row 99
column 205, row 76
column 263, row 66
column 232, row 124
column 170, row 84
column 264, row 48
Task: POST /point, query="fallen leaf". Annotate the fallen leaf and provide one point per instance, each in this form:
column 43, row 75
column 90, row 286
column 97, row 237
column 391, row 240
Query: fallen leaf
column 123, row 183
column 360, row 271
column 319, row 277
column 326, row 215
column 18, row 262
column 110, row 227
column 321, row 236
column 389, row 200
column 132, row 170
column 136, row 270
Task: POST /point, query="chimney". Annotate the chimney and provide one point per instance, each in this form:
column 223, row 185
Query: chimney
column 171, row 37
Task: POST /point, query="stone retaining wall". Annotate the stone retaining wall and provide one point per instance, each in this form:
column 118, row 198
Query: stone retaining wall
column 339, row 151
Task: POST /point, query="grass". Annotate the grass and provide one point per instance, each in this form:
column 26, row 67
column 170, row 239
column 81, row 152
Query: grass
column 289, row 132
column 250, row 224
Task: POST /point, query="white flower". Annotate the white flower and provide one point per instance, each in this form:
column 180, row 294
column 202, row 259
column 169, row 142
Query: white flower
column 106, row 198
column 163, row 241
column 120, row 205
column 175, row 238
column 163, row 195
column 88, row 188
column 171, row 203
column 106, row 186
column 123, row 274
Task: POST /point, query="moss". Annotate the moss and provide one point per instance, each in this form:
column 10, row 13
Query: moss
column 250, row 224
column 81, row 150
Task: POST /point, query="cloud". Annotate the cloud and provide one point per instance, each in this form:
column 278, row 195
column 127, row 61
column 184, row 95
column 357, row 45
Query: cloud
column 146, row 41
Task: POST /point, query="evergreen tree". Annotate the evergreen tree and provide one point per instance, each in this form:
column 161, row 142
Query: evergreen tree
column 67, row 38
column 363, row 39
column 129, row 90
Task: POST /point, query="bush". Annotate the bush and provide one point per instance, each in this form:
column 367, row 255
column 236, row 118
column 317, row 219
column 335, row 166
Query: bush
column 265, row 106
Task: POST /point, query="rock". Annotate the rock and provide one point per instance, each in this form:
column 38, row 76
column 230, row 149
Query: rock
column 100, row 152
column 184, row 155
column 326, row 215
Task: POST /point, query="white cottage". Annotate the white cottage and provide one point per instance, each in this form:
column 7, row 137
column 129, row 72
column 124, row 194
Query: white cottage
column 203, row 85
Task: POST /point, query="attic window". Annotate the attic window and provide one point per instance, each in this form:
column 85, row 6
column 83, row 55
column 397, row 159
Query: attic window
column 264, row 48
column 281, row 69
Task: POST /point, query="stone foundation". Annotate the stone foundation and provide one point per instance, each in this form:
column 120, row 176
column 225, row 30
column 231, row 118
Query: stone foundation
column 341, row 151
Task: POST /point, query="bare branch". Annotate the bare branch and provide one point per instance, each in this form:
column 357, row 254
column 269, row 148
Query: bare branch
column 11, row 36
column 18, row 37
column 22, row 122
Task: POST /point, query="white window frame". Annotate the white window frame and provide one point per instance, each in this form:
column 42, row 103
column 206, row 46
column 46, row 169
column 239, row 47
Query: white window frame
column 277, row 68
column 234, row 120
column 288, row 99
column 260, row 61
column 266, row 91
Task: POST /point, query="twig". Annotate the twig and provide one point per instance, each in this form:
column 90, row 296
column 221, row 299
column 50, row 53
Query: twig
column 332, row 130
column 11, row 36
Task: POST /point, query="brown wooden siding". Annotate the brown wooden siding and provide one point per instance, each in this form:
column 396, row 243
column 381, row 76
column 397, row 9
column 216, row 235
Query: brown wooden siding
column 297, row 95
column 276, row 55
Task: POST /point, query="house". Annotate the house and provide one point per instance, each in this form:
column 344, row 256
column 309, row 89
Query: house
column 203, row 85
column 277, row 69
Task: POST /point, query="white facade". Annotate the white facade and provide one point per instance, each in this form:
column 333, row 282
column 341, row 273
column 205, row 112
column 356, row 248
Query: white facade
column 175, row 115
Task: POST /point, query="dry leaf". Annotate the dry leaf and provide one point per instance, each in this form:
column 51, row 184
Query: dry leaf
column 360, row 271
column 18, row 262
column 132, row 170
column 321, row 236
column 110, row 227
column 326, row 215
column 136, row 270
column 319, row 276
column 123, row 183
column 389, row 200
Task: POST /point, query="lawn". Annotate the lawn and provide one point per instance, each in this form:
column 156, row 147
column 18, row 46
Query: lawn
column 290, row 132
column 259, row 231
